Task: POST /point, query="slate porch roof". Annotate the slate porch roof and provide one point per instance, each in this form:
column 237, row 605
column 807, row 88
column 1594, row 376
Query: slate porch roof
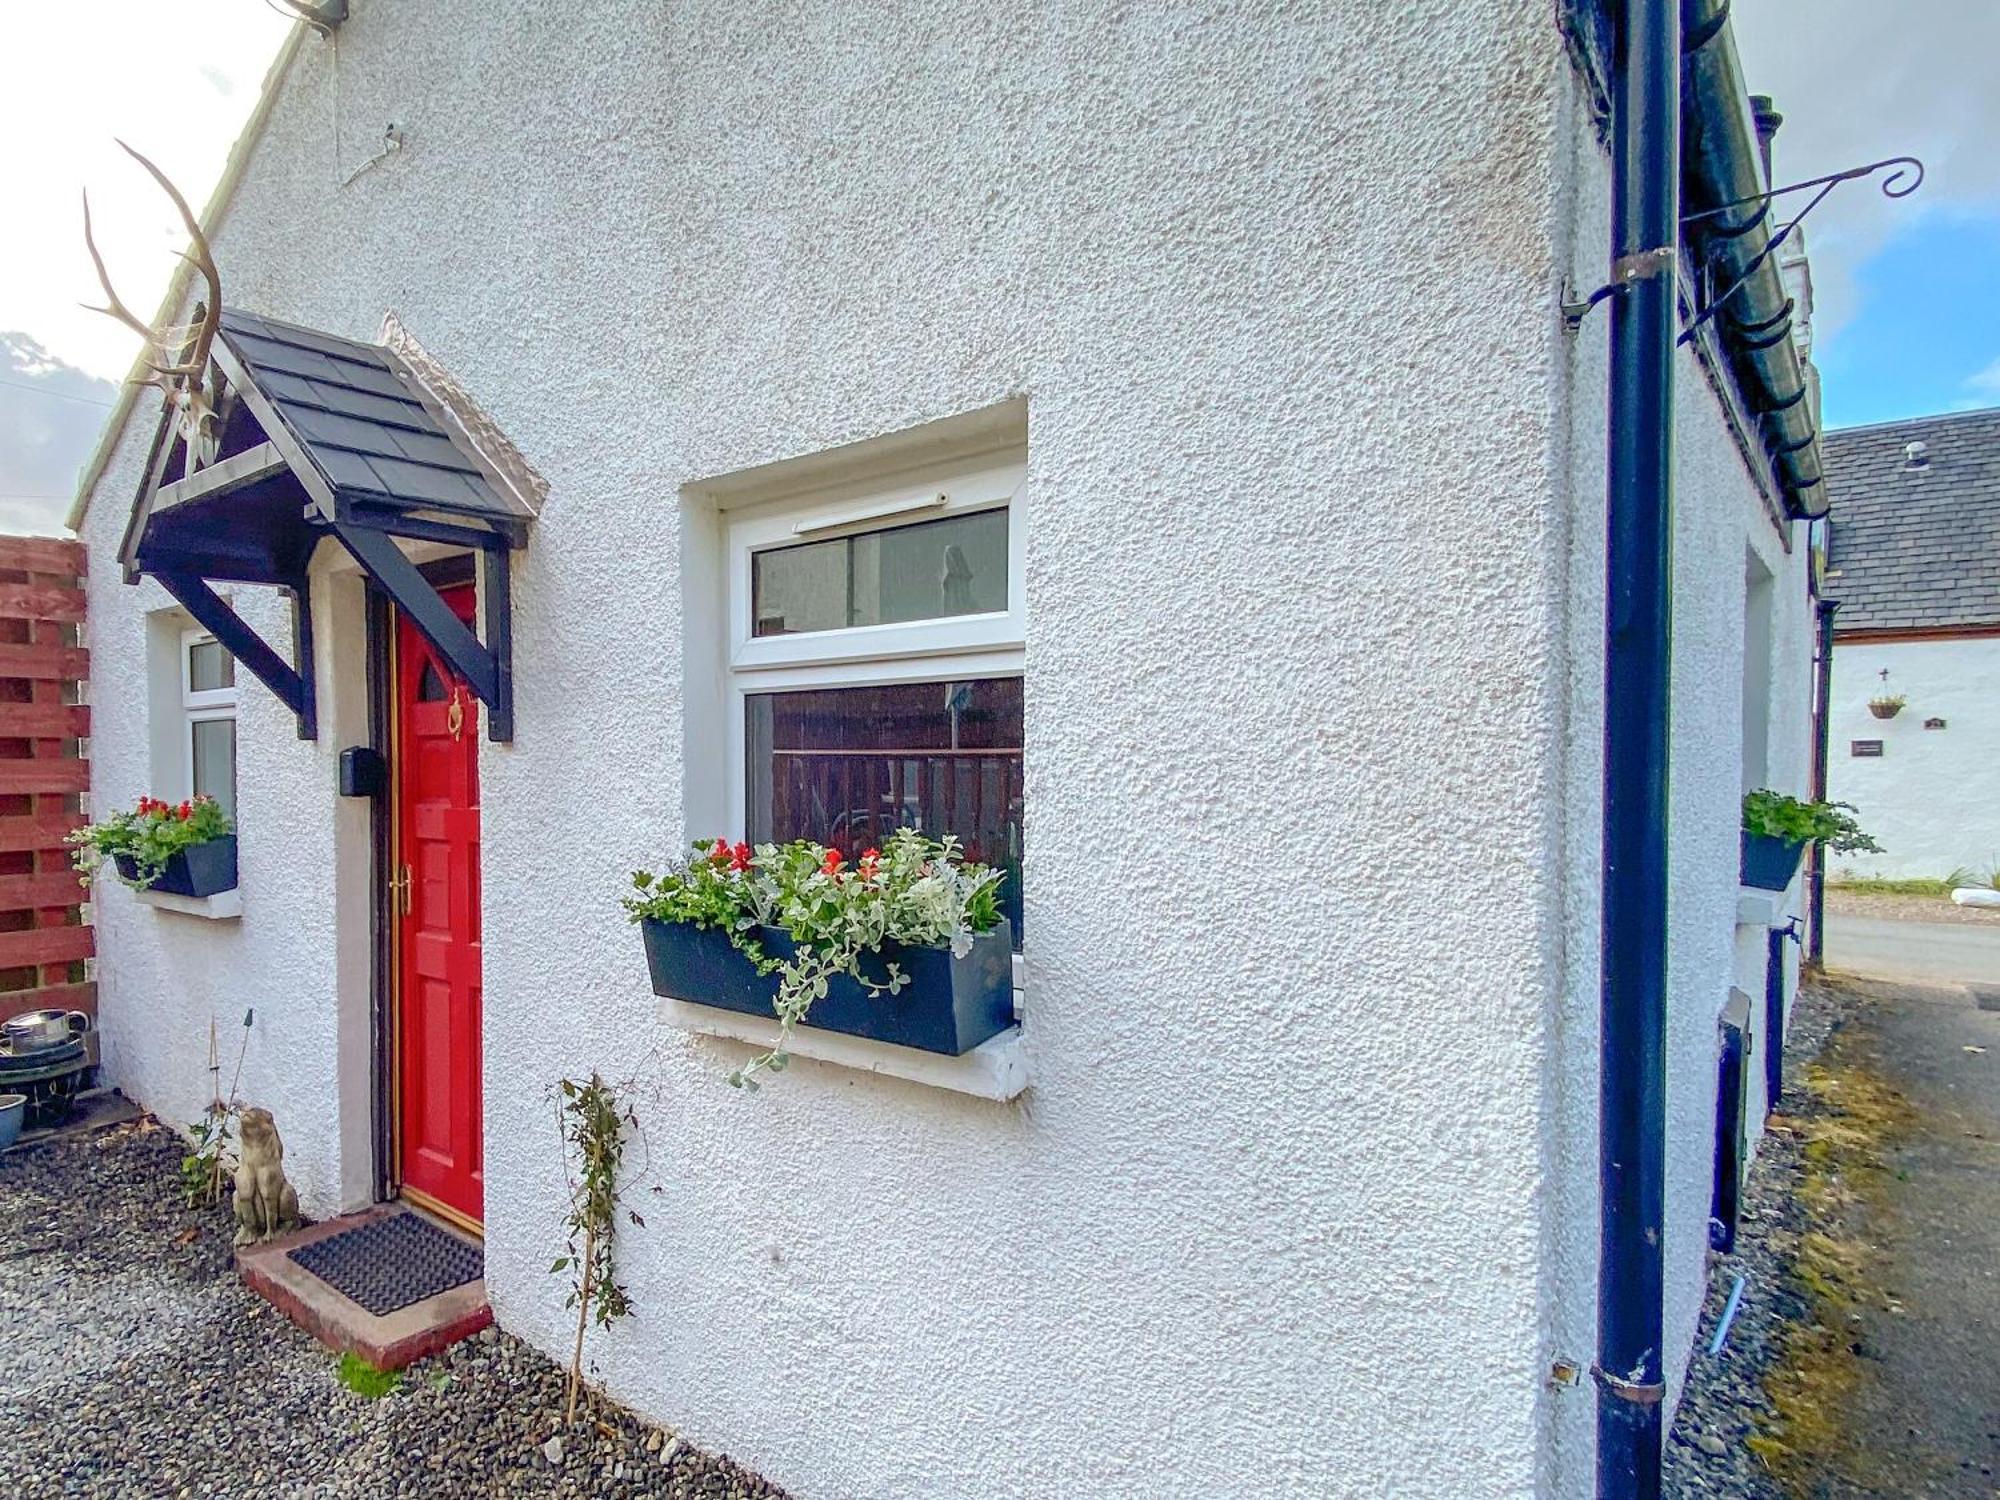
column 360, row 420
column 1915, row 547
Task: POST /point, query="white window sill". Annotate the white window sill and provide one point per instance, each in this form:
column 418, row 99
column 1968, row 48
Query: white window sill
column 1760, row 908
column 223, row 906
column 995, row 1069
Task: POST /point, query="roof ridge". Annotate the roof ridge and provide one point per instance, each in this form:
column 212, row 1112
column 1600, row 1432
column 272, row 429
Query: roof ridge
column 1938, row 416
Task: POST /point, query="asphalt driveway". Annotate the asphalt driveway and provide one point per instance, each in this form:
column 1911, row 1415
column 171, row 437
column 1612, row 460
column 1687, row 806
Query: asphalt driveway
column 1922, row 952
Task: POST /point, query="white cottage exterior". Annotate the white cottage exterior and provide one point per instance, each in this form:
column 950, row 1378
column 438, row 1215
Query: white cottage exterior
column 1249, row 328
column 1915, row 538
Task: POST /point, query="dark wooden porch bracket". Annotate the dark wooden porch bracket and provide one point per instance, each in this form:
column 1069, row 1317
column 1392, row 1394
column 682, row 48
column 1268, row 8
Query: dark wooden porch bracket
column 488, row 666
column 293, row 687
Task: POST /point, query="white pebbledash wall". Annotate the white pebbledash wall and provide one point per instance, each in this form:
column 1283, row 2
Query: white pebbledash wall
column 1932, row 798
column 1302, row 1198
column 1723, row 531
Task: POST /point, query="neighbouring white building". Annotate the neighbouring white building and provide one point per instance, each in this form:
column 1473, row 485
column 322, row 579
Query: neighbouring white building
column 1226, row 357
column 1914, row 563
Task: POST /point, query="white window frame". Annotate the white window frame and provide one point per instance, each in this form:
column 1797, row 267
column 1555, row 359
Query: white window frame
column 990, row 644
column 827, row 517
column 200, row 707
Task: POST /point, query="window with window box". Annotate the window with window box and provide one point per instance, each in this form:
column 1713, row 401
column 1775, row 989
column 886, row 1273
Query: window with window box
column 208, row 712
column 875, row 650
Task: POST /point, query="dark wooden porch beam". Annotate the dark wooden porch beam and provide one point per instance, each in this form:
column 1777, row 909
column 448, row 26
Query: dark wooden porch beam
column 414, row 596
column 214, row 614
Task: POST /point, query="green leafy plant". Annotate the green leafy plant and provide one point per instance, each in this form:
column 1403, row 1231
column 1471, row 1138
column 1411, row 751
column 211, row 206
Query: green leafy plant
column 150, row 834
column 593, row 1131
column 364, row 1379
column 1774, row 815
column 206, row 1164
column 914, row 890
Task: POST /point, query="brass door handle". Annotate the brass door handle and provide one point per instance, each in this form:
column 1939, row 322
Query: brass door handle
column 400, row 896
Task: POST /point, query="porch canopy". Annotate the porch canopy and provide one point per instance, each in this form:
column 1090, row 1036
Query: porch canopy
column 316, row 436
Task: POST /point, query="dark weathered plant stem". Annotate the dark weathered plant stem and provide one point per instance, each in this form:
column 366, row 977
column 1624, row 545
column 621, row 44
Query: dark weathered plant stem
column 582, row 1318
column 591, row 1122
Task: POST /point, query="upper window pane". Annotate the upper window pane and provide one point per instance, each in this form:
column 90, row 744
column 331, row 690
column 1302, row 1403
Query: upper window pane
column 956, row 565
column 210, row 668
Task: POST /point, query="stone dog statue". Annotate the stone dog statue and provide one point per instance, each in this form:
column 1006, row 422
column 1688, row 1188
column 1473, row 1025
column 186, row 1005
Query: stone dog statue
column 266, row 1204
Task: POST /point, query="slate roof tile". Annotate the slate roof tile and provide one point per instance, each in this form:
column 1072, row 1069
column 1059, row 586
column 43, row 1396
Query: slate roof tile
column 351, row 408
column 1915, row 546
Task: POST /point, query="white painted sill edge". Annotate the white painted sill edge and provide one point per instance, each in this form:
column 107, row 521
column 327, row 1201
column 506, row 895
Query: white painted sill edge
column 1756, row 907
column 223, row 906
column 996, row 1069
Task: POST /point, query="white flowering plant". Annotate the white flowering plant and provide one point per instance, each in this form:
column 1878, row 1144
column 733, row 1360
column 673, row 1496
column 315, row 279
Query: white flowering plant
column 914, row 890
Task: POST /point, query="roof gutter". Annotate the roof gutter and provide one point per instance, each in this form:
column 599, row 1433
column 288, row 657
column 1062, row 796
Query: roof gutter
column 1722, row 163
column 177, row 287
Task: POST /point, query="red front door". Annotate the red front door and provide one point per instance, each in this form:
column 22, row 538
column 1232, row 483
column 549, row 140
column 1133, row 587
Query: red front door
column 438, row 1129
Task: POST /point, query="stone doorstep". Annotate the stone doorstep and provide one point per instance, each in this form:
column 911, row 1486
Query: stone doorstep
column 388, row 1343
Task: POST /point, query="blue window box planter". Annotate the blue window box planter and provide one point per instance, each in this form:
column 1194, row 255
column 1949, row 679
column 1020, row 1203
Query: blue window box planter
column 1770, row 863
column 948, row 1005
column 198, row 870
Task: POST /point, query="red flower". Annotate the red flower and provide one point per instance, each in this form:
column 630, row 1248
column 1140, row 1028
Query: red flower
column 719, row 851
column 871, row 861
column 834, row 860
column 739, row 857
column 185, row 811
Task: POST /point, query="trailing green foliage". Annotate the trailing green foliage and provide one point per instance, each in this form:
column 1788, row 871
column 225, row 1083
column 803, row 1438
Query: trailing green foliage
column 151, row 834
column 914, row 890
column 1777, row 816
column 593, row 1131
column 364, row 1379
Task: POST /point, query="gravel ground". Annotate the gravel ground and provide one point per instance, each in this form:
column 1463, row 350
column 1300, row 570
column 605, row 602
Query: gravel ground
column 1908, row 908
column 133, row 1363
column 1705, row 1452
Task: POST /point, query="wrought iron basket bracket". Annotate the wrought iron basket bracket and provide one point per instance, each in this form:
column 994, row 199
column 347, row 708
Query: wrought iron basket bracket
column 1893, row 186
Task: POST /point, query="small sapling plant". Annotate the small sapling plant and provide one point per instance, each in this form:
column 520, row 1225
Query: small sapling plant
column 593, row 1132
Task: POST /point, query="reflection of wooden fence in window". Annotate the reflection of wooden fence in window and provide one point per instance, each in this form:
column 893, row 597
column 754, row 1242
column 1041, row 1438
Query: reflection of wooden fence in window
column 43, row 774
column 853, row 798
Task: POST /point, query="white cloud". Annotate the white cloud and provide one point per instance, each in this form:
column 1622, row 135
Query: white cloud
column 73, row 77
column 1985, row 383
column 1857, row 81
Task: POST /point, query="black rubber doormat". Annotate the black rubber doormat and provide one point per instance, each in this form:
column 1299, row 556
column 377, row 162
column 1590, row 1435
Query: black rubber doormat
column 392, row 1262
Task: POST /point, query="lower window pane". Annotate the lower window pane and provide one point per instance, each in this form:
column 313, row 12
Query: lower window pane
column 215, row 761
column 845, row 766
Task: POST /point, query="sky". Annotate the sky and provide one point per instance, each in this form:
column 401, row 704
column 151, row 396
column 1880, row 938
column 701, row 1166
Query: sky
column 1908, row 291
column 176, row 80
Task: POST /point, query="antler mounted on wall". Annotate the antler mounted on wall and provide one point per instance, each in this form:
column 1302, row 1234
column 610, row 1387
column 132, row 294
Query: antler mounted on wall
column 177, row 352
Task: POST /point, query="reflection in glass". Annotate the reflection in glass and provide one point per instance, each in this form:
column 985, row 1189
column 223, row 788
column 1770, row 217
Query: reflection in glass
column 846, row 766
column 210, row 668
column 956, row 565
column 215, row 761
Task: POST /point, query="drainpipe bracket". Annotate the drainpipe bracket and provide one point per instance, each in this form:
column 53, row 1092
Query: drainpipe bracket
column 1637, row 1392
column 1626, row 272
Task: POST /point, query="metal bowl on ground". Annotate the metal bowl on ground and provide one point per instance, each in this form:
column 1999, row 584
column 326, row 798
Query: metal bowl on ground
column 13, row 1115
column 44, row 1028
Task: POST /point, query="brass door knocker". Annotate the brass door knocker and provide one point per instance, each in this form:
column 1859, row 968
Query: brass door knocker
column 454, row 716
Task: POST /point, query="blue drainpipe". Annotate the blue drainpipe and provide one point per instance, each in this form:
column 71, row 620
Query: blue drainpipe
column 1645, row 240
